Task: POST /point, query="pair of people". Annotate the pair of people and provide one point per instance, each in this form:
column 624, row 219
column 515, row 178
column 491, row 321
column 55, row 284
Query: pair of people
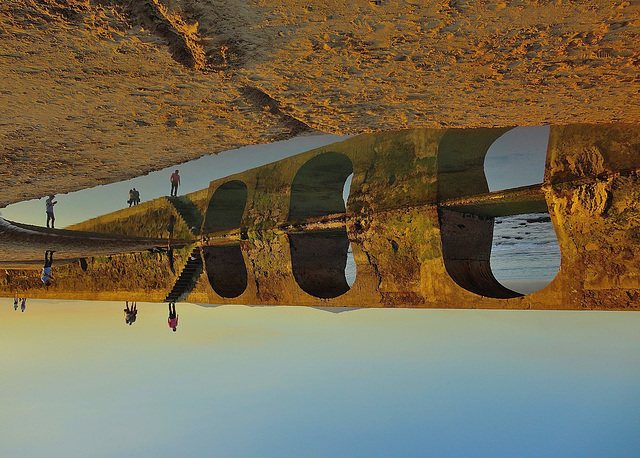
column 134, row 197
column 22, row 301
column 131, row 313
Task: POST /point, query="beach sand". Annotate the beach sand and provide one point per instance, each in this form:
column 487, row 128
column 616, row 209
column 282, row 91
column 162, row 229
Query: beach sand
column 97, row 92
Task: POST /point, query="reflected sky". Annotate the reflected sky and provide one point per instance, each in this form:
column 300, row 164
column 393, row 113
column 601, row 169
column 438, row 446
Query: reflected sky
column 293, row 381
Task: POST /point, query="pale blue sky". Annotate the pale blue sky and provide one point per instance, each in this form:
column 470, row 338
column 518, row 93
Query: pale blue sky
column 292, row 381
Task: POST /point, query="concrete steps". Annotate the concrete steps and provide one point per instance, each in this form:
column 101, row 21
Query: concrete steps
column 187, row 279
column 189, row 213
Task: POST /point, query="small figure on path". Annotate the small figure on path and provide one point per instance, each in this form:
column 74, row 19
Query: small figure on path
column 130, row 201
column 15, row 303
column 173, row 317
column 170, row 258
column 136, row 196
column 23, row 304
column 130, row 314
column 46, row 269
column 170, row 225
column 175, row 182
column 49, row 203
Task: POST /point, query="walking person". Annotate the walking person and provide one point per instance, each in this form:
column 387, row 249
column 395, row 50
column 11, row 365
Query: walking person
column 46, row 269
column 49, row 203
column 23, row 304
column 173, row 317
column 130, row 201
column 175, row 182
column 15, row 303
column 130, row 314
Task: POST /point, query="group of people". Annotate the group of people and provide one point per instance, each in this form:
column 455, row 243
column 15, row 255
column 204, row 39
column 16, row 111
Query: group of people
column 134, row 197
column 22, row 301
column 134, row 194
column 131, row 313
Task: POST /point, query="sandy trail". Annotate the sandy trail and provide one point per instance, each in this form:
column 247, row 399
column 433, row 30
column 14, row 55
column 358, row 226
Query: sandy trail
column 22, row 245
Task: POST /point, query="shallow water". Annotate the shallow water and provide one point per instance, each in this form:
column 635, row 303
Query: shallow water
column 525, row 254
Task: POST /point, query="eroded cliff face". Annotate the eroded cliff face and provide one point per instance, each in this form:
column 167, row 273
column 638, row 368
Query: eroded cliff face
column 594, row 199
column 96, row 91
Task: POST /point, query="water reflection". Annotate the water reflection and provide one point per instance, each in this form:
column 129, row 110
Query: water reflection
column 420, row 227
column 468, row 383
column 319, row 260
column 226, row 269
column 130, row 312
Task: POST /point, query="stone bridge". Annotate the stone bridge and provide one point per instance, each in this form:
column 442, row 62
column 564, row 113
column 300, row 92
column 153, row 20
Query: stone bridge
column 419, row 219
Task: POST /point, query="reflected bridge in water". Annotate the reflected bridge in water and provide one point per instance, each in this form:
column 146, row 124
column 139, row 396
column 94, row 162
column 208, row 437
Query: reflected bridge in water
column 419, row 220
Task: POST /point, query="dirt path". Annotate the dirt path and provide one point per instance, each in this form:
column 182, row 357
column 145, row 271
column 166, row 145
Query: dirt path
column 22, row 244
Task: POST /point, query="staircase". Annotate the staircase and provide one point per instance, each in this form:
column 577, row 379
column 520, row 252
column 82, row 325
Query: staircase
column 189, row 213
column 187, row 279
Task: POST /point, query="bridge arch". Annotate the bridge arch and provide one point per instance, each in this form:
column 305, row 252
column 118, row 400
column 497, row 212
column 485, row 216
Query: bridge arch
column 226, row 269
column 319, row 258
column 467, row 213
column 318, row 261
column 226, row 207
column 317, row 188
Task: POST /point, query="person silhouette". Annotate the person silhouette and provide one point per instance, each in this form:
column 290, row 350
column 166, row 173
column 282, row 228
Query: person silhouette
column 23, row 304
column 175, row 182
column 49, row 203
column 46, row 269
column 173, row 317
column 15, row 303
column 171, row 225
column 130, row 314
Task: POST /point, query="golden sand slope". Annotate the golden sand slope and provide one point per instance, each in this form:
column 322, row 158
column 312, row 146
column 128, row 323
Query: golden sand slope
column 96, row 91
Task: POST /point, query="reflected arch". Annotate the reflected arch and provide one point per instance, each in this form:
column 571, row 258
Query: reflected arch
column 226, row 207
column 226, row 269
column 318, row 261
column 467, row 226
column 317, row 188
column 466, row 237
column 515, row 160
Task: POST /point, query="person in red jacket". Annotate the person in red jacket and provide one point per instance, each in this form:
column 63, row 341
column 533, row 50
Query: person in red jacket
column 173, row 317
column 175, row 182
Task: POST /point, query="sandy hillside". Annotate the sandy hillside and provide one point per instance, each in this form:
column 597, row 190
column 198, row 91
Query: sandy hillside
column 96, row 91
